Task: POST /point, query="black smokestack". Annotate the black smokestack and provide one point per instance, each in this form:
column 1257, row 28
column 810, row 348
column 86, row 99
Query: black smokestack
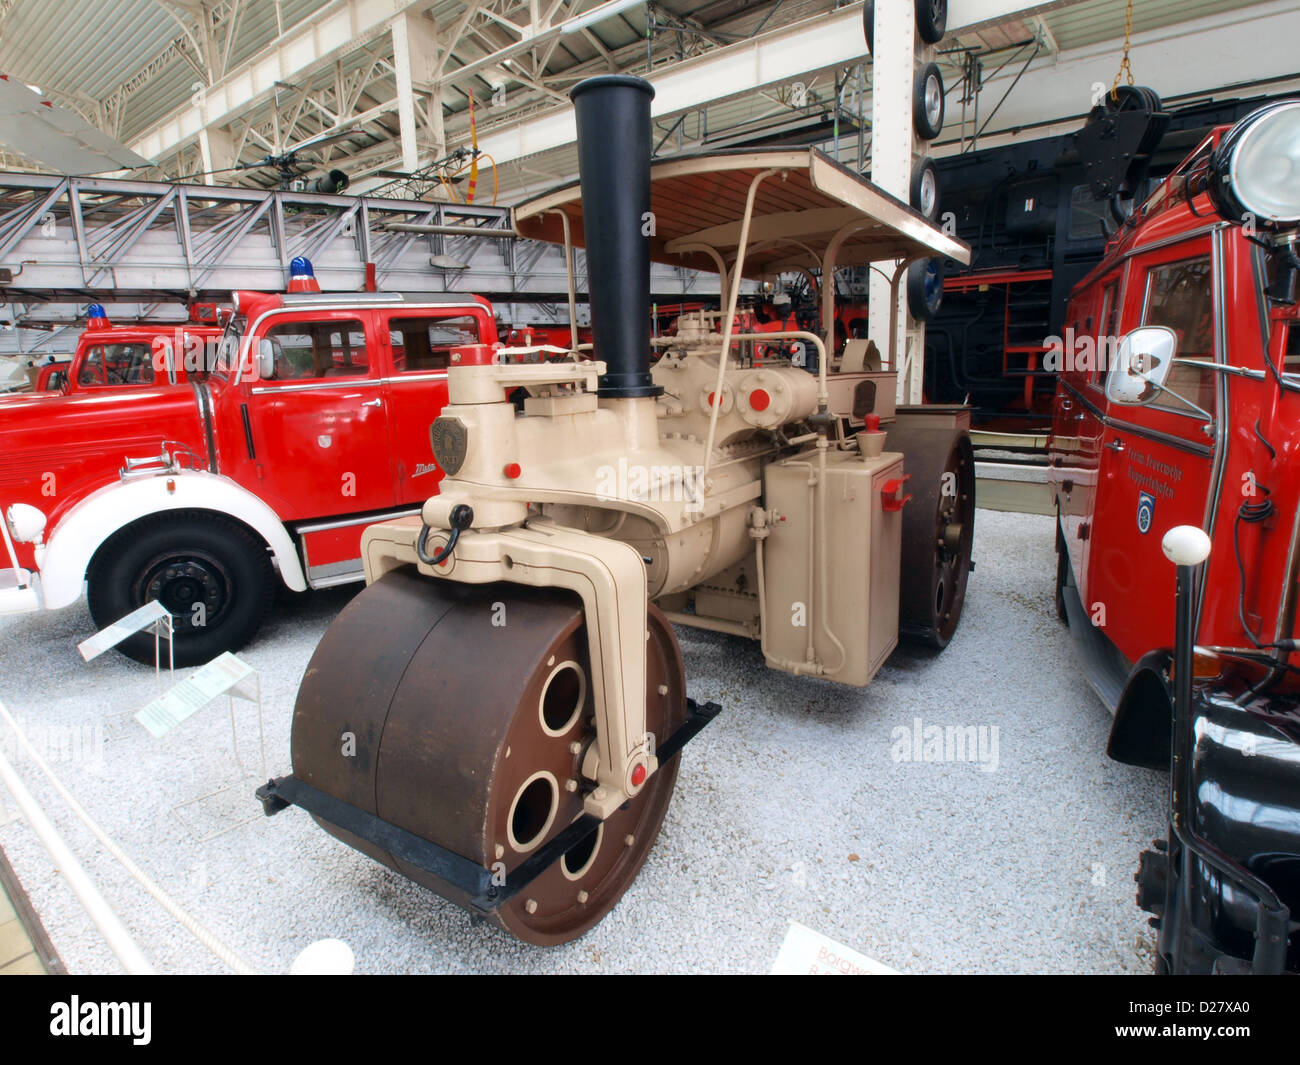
column 613, row 115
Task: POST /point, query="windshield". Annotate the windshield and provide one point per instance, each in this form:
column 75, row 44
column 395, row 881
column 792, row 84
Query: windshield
column 1270, row 277
column 228, row 353
column 117, row 364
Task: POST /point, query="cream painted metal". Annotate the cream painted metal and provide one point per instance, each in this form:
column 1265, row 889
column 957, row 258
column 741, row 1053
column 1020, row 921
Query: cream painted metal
column 835, row 198
column 544, row 511
column 894, row 144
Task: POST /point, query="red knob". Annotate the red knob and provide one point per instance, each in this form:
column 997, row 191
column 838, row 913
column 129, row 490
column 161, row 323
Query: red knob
column 512, row 470
column 638, row 775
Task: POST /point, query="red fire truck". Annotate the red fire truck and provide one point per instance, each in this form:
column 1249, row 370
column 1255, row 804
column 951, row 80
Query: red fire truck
column 268, row 467
column 137, row 356
column 132, row 356
column 1179, row 405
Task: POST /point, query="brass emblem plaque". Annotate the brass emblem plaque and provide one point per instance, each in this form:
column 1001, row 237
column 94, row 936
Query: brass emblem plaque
column 450, row 439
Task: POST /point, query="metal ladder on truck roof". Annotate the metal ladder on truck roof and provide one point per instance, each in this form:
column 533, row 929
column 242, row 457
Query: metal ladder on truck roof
column 66, row 241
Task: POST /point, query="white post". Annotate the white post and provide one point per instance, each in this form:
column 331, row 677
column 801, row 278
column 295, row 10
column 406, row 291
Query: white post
column 405, row 92
column 893, row 69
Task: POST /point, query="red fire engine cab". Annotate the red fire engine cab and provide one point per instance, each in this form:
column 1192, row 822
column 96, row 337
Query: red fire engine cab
column 133, row 356
column 268, row 468
column 1179, row 405
column 136, row 356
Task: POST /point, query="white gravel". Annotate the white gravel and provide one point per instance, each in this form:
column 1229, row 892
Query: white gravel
column 790, row 805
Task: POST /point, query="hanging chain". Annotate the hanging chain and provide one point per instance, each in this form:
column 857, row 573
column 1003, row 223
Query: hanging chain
column 1124, row 67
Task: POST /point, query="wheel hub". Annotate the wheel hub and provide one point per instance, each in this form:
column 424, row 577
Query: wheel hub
column 182, row 583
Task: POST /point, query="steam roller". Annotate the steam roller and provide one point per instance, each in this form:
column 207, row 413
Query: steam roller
column 499, row 715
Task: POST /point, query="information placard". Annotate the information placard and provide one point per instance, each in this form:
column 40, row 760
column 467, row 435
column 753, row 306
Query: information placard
column 136, row 621
column 225, row 675
column 809, row 953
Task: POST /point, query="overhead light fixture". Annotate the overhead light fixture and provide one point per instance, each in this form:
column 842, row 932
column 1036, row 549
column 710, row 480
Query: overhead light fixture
column 446, row 262
column 332, row 182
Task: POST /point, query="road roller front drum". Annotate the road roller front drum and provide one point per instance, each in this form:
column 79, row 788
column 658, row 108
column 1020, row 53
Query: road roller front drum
column 468, row 730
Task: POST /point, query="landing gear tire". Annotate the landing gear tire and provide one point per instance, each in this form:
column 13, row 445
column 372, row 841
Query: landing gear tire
column 925, row 288
column 928, row 102
column 924, row 191
column 212, row 574
column 938, row 531
column 931, row 20
column 470, row 718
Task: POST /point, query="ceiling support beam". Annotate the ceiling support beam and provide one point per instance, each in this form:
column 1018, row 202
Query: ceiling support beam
column 306, row 49
column 779, row 56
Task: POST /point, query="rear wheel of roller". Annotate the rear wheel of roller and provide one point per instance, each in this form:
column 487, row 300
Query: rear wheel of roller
column 938, row 531
column 470, row 709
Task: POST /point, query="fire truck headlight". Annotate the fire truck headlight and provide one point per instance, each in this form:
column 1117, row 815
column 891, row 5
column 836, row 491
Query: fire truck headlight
column 25, row 522
column 1256, row 169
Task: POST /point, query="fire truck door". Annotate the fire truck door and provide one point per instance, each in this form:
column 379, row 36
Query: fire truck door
column 317, row 426
column 1077, row 424
column 420, row 343
column 1156, row 456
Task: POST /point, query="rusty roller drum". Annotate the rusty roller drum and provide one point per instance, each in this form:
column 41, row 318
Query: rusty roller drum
column 938, row 530
column 465, row 735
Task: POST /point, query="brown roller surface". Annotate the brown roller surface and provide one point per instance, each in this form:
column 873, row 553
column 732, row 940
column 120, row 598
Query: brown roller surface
column 446, row 709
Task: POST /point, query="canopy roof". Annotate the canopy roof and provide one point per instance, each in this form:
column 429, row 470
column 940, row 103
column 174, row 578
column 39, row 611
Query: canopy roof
column 700, row 199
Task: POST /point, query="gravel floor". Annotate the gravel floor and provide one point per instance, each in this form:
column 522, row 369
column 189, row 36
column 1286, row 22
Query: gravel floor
column 796, row 803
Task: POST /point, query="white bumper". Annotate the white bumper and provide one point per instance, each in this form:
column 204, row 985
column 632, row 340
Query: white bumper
column 18, row 594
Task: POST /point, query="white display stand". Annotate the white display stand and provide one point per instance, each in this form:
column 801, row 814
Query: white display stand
column 216, row 812
column 153, row 615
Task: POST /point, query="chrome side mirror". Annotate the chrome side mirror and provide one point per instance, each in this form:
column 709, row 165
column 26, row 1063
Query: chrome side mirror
column 265, row 359
column 1142, row 364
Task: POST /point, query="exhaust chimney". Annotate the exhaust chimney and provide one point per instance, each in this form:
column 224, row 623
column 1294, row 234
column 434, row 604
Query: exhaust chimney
column 613, row 116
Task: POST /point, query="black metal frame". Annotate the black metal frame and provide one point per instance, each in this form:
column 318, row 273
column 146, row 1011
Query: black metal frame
column 1183, row 945
column 487, row 890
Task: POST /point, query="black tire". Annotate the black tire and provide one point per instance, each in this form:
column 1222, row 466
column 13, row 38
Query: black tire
column 924, row 193
column 925, row 288
column 1062, row 574
column 180, row 559
column 928, row 102
column 931, row 20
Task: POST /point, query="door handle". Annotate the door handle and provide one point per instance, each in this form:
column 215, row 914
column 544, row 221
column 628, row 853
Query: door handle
column 1117, row 445
column 373, row 403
